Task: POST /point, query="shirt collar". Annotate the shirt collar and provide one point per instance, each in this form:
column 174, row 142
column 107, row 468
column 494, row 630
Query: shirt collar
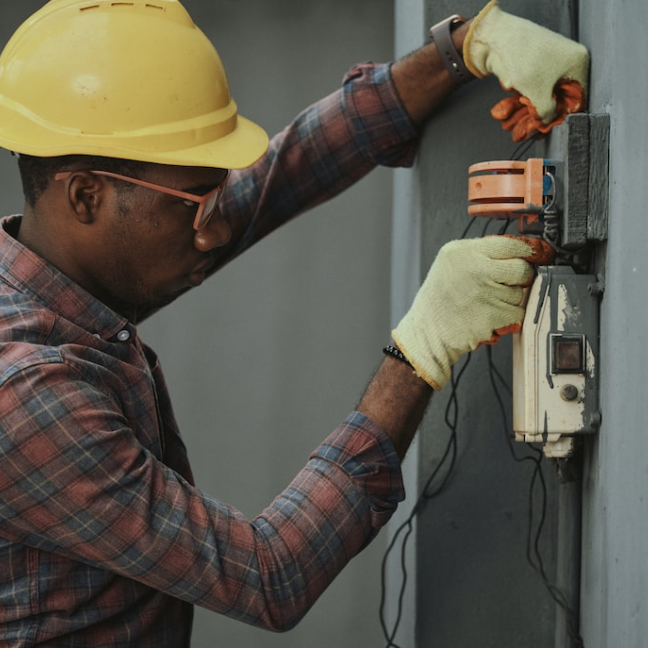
column 32, row 275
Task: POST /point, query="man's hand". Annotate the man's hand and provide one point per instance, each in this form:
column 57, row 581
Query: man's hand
column 475, row 291
column 546, row 72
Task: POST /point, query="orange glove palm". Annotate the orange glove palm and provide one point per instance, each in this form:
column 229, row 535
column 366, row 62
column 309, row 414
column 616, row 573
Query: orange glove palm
column 518, row 115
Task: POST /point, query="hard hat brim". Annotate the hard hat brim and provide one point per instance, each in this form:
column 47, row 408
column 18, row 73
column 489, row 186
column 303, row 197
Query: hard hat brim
column 240, row 148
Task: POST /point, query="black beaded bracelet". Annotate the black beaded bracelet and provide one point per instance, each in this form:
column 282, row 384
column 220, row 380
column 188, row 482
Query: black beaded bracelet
column 395, row 352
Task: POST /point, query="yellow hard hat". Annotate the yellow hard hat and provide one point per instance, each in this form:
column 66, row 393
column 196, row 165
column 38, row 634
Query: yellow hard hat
column 133, row 79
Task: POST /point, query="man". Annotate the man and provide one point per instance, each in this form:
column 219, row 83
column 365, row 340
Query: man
column 140, row 180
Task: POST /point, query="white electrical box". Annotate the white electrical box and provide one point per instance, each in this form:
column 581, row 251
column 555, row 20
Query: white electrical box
column 555, row 362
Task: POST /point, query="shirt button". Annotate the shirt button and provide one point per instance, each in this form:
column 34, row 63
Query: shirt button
column 123, row 336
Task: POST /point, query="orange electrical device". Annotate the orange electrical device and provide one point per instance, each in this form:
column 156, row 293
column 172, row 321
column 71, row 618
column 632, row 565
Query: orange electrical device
column 510, row 189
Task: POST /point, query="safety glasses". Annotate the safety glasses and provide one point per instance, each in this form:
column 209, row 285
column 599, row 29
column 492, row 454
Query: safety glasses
column 207, row 203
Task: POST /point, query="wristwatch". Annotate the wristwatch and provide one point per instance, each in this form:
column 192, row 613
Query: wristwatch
column 441, row 34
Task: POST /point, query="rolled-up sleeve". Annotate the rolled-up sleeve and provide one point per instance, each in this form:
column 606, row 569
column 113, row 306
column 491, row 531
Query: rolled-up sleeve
column 77, row 482
column 364, row 452
column 327, row 148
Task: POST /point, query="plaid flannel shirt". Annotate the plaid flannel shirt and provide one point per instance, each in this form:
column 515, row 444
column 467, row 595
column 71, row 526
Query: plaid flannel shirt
column 104, row 539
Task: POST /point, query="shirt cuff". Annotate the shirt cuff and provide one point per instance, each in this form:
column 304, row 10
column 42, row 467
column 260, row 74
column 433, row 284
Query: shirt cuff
column 390, row 138
column 366, row 454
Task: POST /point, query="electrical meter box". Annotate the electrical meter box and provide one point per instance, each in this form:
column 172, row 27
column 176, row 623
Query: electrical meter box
column 555, row 362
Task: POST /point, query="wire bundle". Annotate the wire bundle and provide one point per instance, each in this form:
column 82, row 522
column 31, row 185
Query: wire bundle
column 440, row 476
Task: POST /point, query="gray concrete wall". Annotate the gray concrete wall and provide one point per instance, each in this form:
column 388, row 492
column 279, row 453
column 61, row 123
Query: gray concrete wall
column 473, row 586
column 267, row 358
column 615, row 567
column 469, row 574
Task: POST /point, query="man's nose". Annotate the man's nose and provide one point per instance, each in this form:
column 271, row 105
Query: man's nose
column 215, row 234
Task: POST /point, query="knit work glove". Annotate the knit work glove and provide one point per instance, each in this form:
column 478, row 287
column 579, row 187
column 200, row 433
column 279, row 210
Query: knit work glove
column 475, row 291
column 546, row 72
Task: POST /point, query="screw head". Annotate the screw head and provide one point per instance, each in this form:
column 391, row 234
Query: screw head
column 569, row 392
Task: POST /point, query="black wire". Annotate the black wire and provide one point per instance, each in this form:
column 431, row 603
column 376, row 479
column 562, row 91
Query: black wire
column 533, row 552
column 533, row 548
column 525, row 145
column 471, row 222
column 449, row 454
column 487, row 223
column 533, row 540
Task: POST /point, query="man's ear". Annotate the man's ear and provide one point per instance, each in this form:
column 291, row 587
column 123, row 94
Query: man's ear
column 86, row 192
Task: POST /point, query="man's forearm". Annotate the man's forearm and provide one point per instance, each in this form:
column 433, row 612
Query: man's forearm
column 422, row 80
column 396, row 400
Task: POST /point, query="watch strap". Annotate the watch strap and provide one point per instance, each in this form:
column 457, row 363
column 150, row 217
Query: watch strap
column 441, row 34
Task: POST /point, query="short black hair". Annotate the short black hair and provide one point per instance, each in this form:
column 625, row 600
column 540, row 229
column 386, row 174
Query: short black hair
column 37, row 172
